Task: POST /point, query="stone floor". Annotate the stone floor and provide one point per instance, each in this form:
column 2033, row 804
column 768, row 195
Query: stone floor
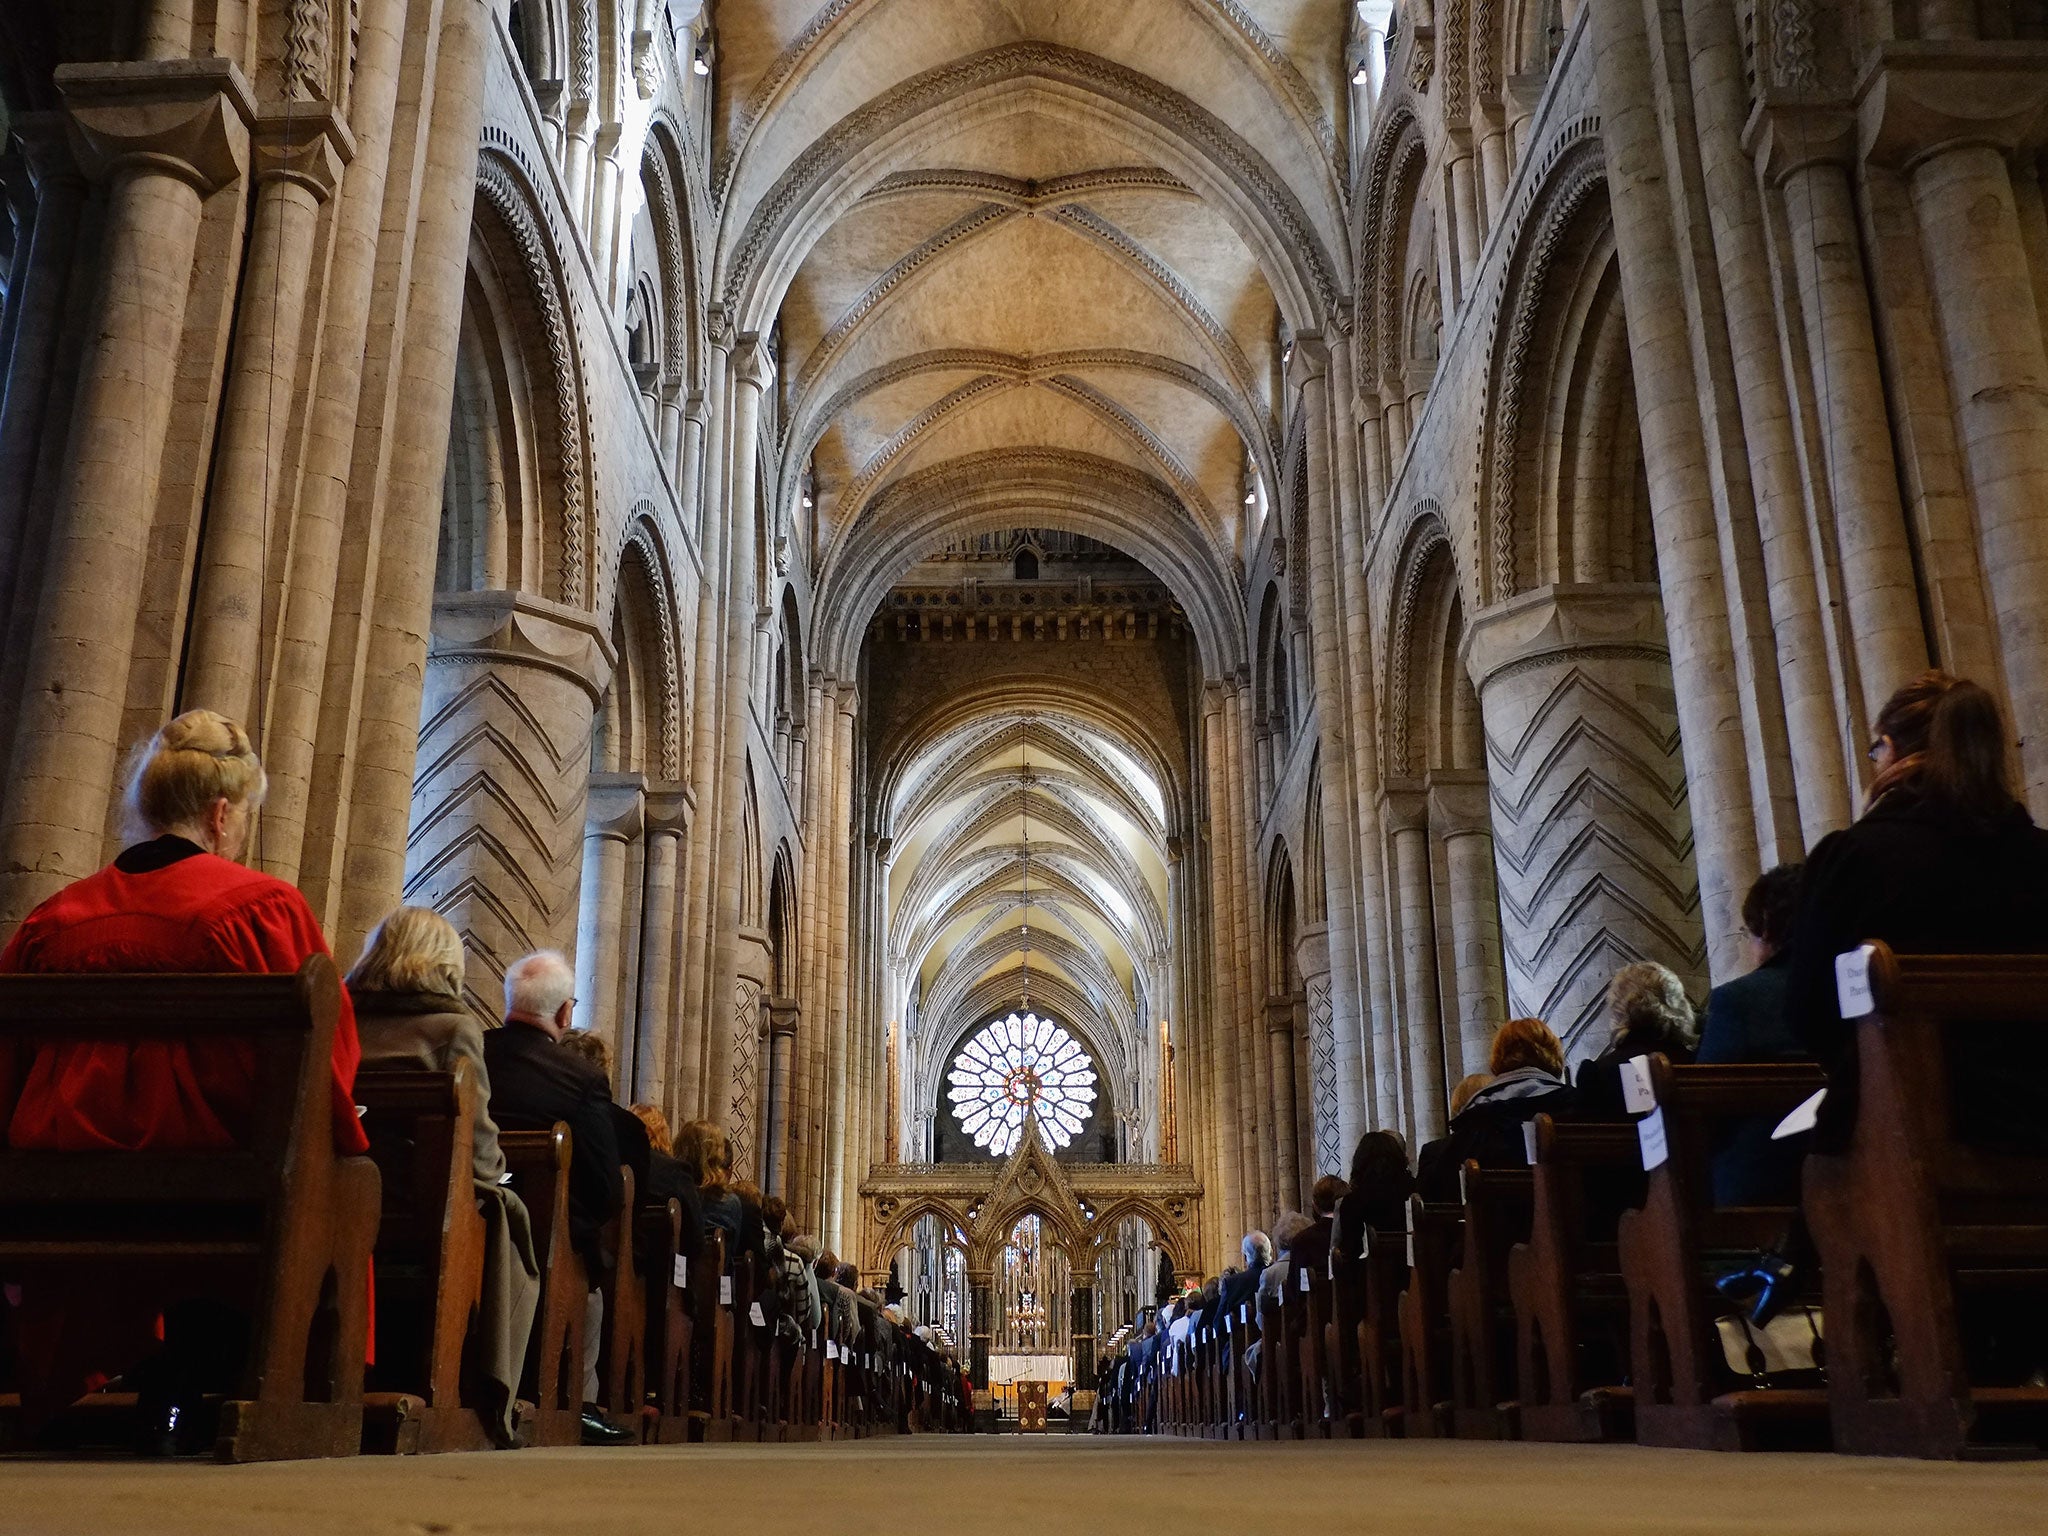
column 907, row 1487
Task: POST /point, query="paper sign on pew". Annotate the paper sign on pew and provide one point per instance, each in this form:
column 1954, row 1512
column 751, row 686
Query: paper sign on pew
column 1852, row 982
column 725, row 1290
column 1650, row 1133
column 681, row 1277
column 1636, row 1095
column 1303, row 1272
column 755, row 1315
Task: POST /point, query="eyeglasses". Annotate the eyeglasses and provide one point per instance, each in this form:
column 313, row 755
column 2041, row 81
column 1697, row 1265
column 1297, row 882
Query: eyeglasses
column 1874, row 748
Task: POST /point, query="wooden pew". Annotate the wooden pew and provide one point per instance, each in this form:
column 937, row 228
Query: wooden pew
column 1673, row 1247
column 430, row 1259
column 710, row 1303
column 622, row 1353
column 669, row 1323
column 553, row 1379
column 1423, row 1315
column 747, row 1351
column 1314, row 1370
column 279, row 1224
column 1499, row 1203
column 1385, row 1273
column 1925, row 1231
column 1571, row 1310
column 1347, row 1317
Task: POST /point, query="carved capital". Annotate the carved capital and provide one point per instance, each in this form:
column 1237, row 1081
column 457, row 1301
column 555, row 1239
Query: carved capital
column 615, row 806
column 1790, row 136
column 1457, row 802
column 43, row 141
column 306, row 145
column 185, row 118
column 1309, row 360
column 752, row 363
column 670, row 808
column 512, row 629
column 718, row 326
column 1555, row 624
column 783, row 1016
column 1916, row 100
column 1280, row 1015
column 1404, row 805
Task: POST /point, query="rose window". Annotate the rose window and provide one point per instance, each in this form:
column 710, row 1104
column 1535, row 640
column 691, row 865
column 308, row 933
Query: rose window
column 1017, row 1065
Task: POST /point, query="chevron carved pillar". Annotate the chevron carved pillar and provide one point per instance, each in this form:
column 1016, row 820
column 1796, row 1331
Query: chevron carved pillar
column 1591, row 827
column 743, row 1112
column 496, row 844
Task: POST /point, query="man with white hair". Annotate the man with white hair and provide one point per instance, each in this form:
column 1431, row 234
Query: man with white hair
column 534, row 1083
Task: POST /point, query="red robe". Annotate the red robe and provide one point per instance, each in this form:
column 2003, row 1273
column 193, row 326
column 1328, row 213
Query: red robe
column 199, row 913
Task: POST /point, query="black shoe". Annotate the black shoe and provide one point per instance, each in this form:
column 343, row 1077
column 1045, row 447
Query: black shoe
column 1766, row 1286
column 599, row 1430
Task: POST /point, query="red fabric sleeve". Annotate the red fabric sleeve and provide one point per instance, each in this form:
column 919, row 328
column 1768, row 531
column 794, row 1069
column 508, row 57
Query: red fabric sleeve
column 275, row 933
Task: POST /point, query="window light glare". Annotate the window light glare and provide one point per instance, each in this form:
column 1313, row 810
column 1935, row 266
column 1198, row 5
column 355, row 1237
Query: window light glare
column 1362, row 76
column 699, row 63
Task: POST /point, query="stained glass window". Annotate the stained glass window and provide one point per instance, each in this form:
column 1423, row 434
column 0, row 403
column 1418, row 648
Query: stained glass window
column 1017, row 1064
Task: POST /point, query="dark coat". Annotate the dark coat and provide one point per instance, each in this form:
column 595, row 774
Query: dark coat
column 1747, row 1021
column 534, row 1083
column 668, row 1180
column 1363, row 1210
column 1926, row 880
column 1241, row 1289
column 1311, row 1249
column 1489, row 1129
column 1599, row 1080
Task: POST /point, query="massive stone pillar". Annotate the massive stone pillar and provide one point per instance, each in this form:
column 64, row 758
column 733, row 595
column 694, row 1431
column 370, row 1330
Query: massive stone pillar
column 1407, row 818
column 743, row 1117
column 1325, row 1107
column 300, row 148
column 1221, row 1030
column 1461, row 821
column 838, row 928
column 162, row 136
column 1592, row 833
column 783, row 1018
column 503, row 771
column 614, row 816
column 667, row 810
column 1286, row 1136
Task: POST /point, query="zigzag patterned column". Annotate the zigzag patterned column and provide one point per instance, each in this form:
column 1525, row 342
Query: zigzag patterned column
column 1592, row 831
column 1312, row 954
column 496, row 844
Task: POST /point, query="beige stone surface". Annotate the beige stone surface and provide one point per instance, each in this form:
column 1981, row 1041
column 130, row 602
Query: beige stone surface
column 930, row 1484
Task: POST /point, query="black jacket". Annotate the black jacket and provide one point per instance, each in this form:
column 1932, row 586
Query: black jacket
column 1748, row 1021
column 534, row 1083
column 1599, row 1080
column 1489, row 1130
column 1926, row 880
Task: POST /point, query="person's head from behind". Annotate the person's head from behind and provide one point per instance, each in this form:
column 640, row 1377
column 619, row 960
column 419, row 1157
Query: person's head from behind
column 1522, row 1044
column 848, row 1276
column 1943, row 736
column 749, row 1194
column 1288, row 1229
column 591, row 1048
column 1211, row 1288
column 198, row 778
column 1467, row 1090
column 659, row 1136
column 1257, row 1249
column 1379, row 1165
column 413, row 950
column 1647, row 1010
column 828, row 1266
column 705, row 1153
column 774, row 1212
column 805, row 1246
column 1329, row 1189
column 540, row 989
column 1769, row 908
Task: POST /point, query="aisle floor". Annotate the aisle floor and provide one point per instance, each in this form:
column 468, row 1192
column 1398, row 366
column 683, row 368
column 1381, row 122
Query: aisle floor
column 905, row 1487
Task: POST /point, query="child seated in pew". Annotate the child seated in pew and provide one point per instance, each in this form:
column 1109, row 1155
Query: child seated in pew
column 177, row 899
column 407, row 989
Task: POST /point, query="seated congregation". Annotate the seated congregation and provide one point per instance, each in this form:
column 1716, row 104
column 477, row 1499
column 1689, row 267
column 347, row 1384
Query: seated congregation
column 248, row 1209
column 1815, row 1214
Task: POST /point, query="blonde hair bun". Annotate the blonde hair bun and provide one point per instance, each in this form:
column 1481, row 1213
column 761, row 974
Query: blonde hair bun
column 196, row 759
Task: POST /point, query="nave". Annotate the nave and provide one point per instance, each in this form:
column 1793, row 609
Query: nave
column 930, row 1484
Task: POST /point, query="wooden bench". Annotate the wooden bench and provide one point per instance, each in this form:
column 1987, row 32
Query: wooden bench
column 1571, row 1309
column 669, row 1320
column 622, row 1353
column 553, row 1379
column 1499, row 1205
column 1385, row 1275
column 1424, row 1321
column 1680, row 1240
column 279, row 1225
column 711, row 1341
column 430, row 1260
column 1314, row 1369
column 1924, row 1231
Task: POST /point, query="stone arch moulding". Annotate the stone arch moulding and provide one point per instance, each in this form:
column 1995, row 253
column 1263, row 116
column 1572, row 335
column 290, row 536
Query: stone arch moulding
column 505, row 186
column 643, row 545
column 1169, row 1232
column 1425, row 536
column 866, row 144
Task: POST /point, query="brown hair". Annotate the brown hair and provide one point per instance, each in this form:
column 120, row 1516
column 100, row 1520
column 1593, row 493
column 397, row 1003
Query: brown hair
column 774, row 1211
column 748, row 1191
column 1329, row 1189
column 658, row 1134
column 412, row 950
column 591, row 1048
column 196, row 759
column 1526, row 1043
column 1467, row 1086
column 1948, row 742
column 705, row 1150
column 1772, row 903
column 1647, row 1002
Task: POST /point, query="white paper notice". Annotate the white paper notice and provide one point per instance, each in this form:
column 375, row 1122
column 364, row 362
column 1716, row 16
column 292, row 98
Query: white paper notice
column 1411, row 1250
column 831, row 1349
column 756, row 1317
column 1802, row 1119
column 1529, row 1142
column 1303, row 1272
column 682, row 1272
column 1650, row 1132
column 1852, row 983
column 1636, row 1095
column 725, row 1290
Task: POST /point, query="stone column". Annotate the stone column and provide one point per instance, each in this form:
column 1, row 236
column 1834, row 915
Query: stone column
column 1286, row 1122
column 1807, row 153
column 743, row 1108
column 667, row 808
column 833, row 1168
column 1312, row 957
column 1465, row 203
column 1406, row 815
column 614, row 815
column 511, row 688
column 1253, row 1061
column 1948, row 117
column 604, row 214
column 783, row 1016
column 1461, row 819
column 1592, row 832
column 161, row 136
column 299, row 151
column 1222, row 1029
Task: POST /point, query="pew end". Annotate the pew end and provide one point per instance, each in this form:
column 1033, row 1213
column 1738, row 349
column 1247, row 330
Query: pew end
column 552, row 1379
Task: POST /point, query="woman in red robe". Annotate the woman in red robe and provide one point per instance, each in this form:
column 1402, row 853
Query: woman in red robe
column 177, row 901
